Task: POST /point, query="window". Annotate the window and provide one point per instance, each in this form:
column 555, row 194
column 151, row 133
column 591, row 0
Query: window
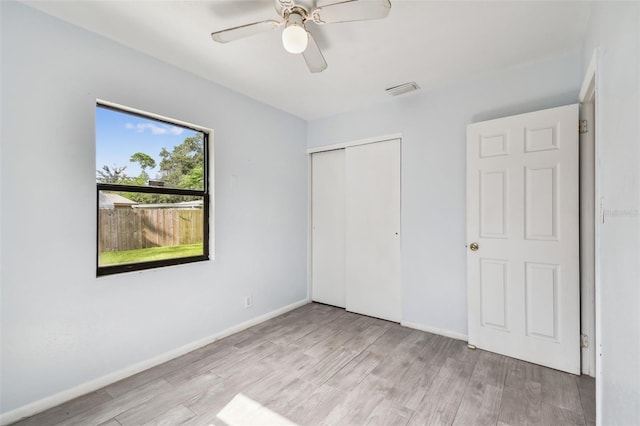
column 152, row 191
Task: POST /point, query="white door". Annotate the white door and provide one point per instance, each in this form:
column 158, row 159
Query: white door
column 328, row 227
column 522, row 213
column 373, row 229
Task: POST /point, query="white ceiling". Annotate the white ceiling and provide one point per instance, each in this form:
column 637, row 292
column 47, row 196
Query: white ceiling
column 434, row 43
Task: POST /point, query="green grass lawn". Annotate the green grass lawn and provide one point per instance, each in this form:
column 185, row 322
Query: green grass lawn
column 145, row 255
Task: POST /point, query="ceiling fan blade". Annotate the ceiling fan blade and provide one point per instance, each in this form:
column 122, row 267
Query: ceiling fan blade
column 313, row 56
column 351, row 10
column 235, row 33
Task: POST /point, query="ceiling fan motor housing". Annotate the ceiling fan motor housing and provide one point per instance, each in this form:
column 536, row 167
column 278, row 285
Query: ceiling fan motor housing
column 282, row 6
column 294, row 36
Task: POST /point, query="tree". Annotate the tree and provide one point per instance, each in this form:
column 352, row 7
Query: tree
column 112, row 175
column 182, row 167
column 145, row 160
column 195, row 179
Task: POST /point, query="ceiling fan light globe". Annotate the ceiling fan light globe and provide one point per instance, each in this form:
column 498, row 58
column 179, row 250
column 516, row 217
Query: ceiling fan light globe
column 294, row 38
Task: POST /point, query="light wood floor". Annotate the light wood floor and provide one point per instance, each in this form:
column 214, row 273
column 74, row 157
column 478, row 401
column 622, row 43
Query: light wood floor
column 320, row 365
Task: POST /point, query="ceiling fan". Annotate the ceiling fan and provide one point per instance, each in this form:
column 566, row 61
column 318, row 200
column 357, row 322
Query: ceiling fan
column 295, row 37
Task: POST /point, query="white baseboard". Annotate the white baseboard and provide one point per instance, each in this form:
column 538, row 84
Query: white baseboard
column 93, row 385
column 434, row 330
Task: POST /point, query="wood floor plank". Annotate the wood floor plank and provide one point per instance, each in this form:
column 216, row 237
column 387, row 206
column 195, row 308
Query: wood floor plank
column 203, row 365
column 317, row 406
column 557, row 389
column 350, row 376
column 388, row 413
column 587, row 389
column 241, row 340
column 108, row 410
column 437, row 350
column 356, row 408
column 230, row 365
column 560, row 389
column 442, row 399
column 344, row 321
column 313, row 338
column 480, row 405
column 292, row 333
column 271, row 387
column 177, row 364
column 216, row 397
column 289, row 397
column 330, row 344
column 112, row 422
column 413, row 383
column 69, row 410
column 554, row 415
column 389, row 340
column 521, row 404
column 519, row 372
column 296, row 362
column 491, row 369
column 162, row 403
column 320, row 365
column 175, row 416
column 329, row 365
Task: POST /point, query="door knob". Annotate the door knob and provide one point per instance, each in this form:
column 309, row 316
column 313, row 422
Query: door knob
column 474, row 246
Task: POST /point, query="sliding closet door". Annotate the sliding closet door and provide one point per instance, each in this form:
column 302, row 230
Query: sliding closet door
column 328, row 227
column 373, row 229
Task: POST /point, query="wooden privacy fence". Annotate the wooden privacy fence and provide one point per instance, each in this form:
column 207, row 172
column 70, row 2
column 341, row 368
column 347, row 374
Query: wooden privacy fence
column 131, row 229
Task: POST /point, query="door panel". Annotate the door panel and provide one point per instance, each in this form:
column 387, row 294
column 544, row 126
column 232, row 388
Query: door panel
column 328, row 227
column 522, row 210
column 373, row 229
column 541, row 295
column 493, row 204
column 493, row 291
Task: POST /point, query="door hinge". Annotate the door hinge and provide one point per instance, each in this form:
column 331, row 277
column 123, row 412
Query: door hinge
column 584, row 341
column 582, row 126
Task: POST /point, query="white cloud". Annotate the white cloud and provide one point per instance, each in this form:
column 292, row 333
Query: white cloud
column 162, row 129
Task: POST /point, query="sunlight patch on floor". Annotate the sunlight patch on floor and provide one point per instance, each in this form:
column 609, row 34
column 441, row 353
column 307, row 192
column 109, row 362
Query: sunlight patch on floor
column 242, row 410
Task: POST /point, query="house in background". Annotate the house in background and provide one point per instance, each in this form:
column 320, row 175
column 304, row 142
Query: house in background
column 114, row 201
column 66, row 332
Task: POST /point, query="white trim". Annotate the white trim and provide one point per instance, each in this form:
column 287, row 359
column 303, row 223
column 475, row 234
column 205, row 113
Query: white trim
column 587, row 235
column 589, row 92
column 434, row 330
column 598, row 196
column 589, row 78
column 93, row 385
column 309, row 229
column 211, row 187
column 365, row 141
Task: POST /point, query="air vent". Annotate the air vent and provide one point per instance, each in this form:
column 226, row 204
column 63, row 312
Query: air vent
column 403, row 88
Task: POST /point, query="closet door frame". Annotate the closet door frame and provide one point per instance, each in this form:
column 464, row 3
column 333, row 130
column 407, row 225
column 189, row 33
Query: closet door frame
column 332, row 147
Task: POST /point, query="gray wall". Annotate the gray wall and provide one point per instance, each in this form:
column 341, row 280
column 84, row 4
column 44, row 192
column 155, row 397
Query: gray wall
column 61, row 326
column 433, row 125
column 614, row 29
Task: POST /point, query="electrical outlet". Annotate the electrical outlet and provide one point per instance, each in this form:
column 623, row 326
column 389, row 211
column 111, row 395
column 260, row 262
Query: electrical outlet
column 248, row 301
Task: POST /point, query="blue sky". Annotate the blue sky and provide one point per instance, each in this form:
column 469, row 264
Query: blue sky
column 119, row 135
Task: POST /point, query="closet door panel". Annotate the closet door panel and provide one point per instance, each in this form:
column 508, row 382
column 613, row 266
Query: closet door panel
column 373, row 269
column 328, row 227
